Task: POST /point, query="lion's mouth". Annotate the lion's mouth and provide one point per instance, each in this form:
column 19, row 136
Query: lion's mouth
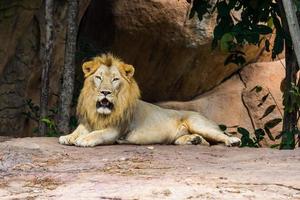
column 104, row 103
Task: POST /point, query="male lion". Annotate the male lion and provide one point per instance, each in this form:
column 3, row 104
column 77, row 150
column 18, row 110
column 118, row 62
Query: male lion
column 109, row 111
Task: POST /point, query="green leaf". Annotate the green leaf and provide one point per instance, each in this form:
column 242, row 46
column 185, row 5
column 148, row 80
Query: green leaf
column 274, row 146
column 252, row 37
column 243, row 131
column 223, row 9
column 270, row 22
column 257, row 89
column 223, row 127
column 225, row 41
column 46, row 121
column 201, row 8
column 269, row 110
column 218, row 32
column 272, row 123
column 259, row 134
column 278, row 45
column 238, row 6
column 279, row 38
column 245, row 139
column 262, row 101
column 269, row 134
column 232, row 4
column 262, row 29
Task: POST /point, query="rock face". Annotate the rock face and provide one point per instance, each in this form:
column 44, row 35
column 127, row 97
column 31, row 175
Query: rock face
column 40, row 168
column 268, row 76
column 237, row 102
column 21, row 38
column 172, row 55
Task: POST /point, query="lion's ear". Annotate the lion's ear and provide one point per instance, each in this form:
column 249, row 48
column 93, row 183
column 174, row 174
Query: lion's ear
column 89, row 68
column 129, row 70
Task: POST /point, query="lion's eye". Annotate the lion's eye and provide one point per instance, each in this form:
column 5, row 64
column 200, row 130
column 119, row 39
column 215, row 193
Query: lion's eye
column 115, row 79
column 99, row 77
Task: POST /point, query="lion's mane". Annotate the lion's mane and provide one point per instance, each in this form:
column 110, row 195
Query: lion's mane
column 125, row 103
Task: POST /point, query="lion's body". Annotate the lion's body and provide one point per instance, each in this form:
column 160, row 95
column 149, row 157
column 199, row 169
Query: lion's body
column 132, row 121
column 152, row 124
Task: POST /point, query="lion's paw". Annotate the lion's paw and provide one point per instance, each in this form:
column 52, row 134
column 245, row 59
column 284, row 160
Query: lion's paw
column 191, row 139
column 233, row 141
column 66, row 140
column 86, row 141
column 195, row 140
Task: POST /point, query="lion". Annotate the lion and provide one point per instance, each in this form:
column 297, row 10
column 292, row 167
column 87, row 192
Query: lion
column 110, row 111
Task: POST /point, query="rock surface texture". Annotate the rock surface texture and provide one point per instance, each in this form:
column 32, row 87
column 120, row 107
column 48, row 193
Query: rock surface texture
column 40, row 168
column 172, row 54
column 237, row 102
column 21, row 38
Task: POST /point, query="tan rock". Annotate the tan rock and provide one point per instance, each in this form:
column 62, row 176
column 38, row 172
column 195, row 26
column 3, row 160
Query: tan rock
column 172, row 55
column 236, row 102
column 223, row 104
column 268, row 76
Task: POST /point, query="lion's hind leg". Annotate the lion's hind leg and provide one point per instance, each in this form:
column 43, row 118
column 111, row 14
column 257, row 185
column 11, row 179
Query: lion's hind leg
column 209, row 130
column 191, row 139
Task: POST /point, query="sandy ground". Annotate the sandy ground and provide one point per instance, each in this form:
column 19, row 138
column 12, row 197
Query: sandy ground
column 40, row 168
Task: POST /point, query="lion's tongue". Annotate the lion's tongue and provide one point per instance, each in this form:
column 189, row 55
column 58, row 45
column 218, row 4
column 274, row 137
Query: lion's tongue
column 105, row 102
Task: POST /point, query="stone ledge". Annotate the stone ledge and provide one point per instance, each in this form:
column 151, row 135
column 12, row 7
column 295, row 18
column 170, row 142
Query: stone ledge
column 43, row 169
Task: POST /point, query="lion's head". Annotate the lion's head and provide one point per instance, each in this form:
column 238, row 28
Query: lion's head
column 109, row 93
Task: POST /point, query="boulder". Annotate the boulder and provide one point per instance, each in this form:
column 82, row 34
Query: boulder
column 172, row 54
column 265, row 105
column 237, row 102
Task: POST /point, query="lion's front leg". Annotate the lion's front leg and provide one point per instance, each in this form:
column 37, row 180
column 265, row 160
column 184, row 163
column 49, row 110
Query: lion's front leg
column 105, row 136
column 71, row 138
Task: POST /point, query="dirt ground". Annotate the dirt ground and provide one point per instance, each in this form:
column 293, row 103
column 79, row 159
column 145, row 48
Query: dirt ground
column 40, row 168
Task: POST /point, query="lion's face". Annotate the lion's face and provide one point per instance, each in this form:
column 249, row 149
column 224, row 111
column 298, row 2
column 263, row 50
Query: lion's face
column 108, row 82
column 109, row 94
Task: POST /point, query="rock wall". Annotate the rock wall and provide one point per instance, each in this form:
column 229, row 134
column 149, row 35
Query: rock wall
column 236, row 102
column 21, row 38
column 172, row 55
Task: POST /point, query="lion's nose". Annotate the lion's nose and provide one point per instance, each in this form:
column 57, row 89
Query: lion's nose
column 105, row 92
